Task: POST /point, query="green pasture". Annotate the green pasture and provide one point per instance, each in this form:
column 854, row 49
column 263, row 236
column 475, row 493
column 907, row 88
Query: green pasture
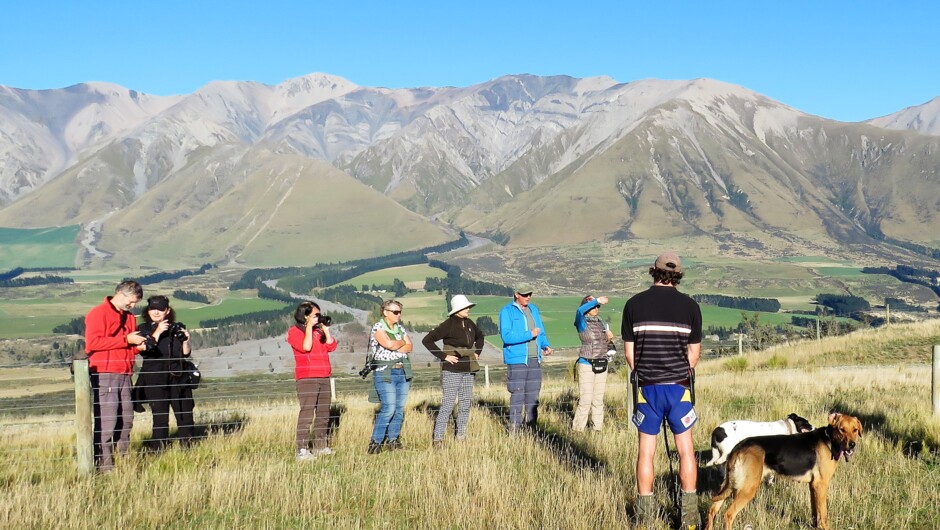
column 558, row 314
column 412, row 275
column 840, row 272
column 38, row 247
column 35, row 310
column 239, row 303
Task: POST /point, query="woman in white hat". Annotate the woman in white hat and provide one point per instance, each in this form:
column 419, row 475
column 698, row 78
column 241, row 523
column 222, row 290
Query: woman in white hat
column 463, row 343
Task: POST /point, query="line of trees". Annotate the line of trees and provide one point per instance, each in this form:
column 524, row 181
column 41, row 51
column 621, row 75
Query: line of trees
column 397, row 286
column 454, row 282
column 10, row 274
column 843, row 305
column 768, row 305
column 348, row 296
column 926, row 277
column 45, row 279
column 191, row 296
column 902, row 305
column 172, row 275
column 305, row 279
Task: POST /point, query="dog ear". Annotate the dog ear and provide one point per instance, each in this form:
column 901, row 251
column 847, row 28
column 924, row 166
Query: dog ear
column 834, row 417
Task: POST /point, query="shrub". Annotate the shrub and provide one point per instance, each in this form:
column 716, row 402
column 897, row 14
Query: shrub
column 736, row 364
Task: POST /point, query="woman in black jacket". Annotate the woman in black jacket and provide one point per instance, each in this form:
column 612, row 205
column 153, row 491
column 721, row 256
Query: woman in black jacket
column 463, row 343
column 163, row 381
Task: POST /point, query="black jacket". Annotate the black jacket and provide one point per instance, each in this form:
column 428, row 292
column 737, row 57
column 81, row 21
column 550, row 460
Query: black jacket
column 163, row 361
column 456, row 333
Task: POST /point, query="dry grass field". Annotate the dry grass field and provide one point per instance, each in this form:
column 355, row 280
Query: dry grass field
column 243, row 473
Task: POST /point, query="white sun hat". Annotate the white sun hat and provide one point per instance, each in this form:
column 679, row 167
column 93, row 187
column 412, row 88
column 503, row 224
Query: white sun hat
column 458, row 303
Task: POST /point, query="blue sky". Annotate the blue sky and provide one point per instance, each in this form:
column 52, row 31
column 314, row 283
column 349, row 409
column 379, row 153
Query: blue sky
column 842, row 60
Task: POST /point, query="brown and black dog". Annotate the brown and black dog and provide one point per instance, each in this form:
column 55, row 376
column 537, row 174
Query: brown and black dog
column 805, row 457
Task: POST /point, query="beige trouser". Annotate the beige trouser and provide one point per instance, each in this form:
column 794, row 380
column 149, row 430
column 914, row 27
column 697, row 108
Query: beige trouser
column 592, row 388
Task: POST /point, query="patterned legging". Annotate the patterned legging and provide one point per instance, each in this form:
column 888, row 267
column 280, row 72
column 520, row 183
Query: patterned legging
column 457, row 387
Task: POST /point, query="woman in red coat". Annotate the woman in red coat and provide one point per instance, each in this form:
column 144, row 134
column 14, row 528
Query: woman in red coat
column 312, row 343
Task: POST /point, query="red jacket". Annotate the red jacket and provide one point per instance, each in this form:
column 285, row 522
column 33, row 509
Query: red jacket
column 106, row 339
column 316, row 362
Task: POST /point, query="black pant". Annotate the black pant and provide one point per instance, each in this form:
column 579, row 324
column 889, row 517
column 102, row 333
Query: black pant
column 161, row 399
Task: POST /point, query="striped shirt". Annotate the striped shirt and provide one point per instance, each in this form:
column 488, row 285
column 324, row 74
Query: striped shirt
column 661, row 322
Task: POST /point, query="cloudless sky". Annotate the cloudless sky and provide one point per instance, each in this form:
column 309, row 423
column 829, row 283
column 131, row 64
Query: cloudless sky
column 842, row 60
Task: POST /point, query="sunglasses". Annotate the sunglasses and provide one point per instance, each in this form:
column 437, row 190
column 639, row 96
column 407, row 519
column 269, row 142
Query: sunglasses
column 525, row 295
column 396, row 312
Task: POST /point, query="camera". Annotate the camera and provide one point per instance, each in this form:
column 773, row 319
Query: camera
column 325, row 320
column 177, row 331
column 366, row 370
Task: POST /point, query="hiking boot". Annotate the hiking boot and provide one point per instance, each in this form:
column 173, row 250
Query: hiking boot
column 304, row 454
column 394, row 445
column 375, row 448
column 689, row 516
column 647, row 512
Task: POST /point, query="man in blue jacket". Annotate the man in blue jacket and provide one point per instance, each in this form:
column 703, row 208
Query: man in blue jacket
column 524, row 343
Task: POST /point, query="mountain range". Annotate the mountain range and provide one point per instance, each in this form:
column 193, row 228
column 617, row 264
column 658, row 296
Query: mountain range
column 318, row 169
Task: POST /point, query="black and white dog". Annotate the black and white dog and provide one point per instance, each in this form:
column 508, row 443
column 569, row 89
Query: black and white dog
column 728, row 434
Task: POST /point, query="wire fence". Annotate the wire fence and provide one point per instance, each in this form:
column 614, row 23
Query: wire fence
column 37, row 402
column 219, row 405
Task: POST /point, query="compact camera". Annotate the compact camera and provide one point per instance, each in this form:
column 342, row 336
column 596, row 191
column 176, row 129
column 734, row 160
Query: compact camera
column 325, row 320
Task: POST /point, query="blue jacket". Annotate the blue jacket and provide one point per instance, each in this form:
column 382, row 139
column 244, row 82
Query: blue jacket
column 579, row 323
column 516, row 334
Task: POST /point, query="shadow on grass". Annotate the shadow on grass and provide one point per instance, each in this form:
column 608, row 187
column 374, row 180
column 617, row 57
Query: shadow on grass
column 337, row 410
column 567, row 451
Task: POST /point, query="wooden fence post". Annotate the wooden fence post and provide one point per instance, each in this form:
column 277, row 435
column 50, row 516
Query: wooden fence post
column 817, row 328
column 935, row 383
column 887, row 314
column 740, row 343
column 486, row 374
column 332, row 389
column 84, row 419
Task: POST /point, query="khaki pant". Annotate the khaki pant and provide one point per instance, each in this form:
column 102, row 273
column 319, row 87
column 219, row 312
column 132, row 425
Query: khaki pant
column 592, row 388
column 114, row 416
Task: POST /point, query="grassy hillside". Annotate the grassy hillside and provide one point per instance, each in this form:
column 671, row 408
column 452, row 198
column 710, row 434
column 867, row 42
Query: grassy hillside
column 244, row 474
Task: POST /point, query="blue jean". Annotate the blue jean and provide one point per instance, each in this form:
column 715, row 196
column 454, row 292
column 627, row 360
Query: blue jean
column 524, row 382
column 393, row 395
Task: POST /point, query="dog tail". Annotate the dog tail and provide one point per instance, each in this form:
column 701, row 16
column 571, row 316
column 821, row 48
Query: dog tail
column 718, row 500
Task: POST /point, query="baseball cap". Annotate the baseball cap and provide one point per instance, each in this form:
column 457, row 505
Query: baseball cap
column 668, row 261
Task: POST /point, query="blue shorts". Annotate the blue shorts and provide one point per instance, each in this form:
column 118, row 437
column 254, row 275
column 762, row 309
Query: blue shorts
column 674, row 402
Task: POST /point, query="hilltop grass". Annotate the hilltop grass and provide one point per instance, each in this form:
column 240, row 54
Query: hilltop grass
column 243, row 473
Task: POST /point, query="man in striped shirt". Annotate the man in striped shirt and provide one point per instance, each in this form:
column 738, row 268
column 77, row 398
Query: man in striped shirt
column 662, row 334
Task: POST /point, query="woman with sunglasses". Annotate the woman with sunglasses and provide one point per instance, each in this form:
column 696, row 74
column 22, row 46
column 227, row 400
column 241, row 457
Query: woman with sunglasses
column 161, row 378
column 389, row 346
column 312, row 344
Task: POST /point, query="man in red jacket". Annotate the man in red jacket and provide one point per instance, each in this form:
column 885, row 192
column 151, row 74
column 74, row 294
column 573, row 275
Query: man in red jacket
column 111, row 341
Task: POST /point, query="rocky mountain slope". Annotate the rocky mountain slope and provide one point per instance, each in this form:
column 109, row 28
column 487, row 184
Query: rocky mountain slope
column 243, row 171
